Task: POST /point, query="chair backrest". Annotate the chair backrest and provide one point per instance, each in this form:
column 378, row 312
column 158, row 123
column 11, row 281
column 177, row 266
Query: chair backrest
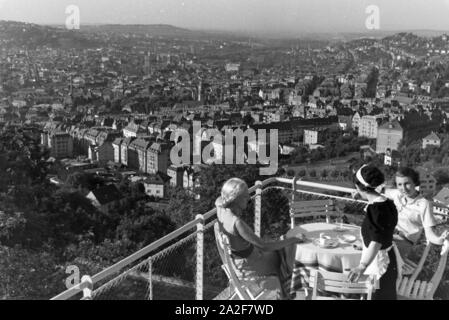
column 411, row 288
column 435, row 281
column 420, row 264
column 338, row 283
column 219, row 241
column 312, row 208
column 228, row 265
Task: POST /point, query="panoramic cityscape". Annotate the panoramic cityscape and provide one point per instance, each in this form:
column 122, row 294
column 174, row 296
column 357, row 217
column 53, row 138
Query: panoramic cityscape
column 143, row 149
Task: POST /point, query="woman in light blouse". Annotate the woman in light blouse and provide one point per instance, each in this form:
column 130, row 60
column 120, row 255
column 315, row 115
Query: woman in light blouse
column 415, row 213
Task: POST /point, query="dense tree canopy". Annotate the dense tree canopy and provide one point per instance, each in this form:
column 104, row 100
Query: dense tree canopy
column 46, row 228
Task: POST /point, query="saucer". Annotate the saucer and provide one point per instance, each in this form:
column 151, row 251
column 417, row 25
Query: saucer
column 330, row 245
column 348, row 238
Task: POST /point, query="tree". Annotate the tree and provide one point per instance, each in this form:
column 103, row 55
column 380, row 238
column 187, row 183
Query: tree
column 144, row 227
column 302, row 173
column 248, row 120
column 275, row 213
column 335, row 173
column 441, row 176
column 181, row 206
column 345, row 174
column 21, row 158
column 346, row 91
column 324, row 174
column 86, row 181
column 29, row 274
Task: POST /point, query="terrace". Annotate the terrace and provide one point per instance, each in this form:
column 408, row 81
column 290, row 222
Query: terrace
column 181, row 265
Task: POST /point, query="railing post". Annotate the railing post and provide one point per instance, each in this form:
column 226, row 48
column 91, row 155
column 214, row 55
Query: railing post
column 199, row 257
column 258, row 209
column 87, row 286
column 292, row 214
column 150, row 278
column 328, row 219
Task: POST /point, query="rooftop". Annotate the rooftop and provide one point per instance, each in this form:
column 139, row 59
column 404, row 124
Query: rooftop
column 432, row 136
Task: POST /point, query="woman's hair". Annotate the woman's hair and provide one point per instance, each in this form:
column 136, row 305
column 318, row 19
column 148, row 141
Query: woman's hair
column 231, row 190
column 409, row 173
column 368, row 178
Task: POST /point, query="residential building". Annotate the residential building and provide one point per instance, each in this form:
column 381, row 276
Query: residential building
column 133, row 130
column 156, row 185
column 117, row 146
column 356, row 120
column 431, row 140
column 345, row 122
column 232, row 67
column 191, row 177
column 90, row 138
column 427, row 181
column 426, row 86
column 101, row 153
column 389, row 135
column 286, row 149
column 60, row 144
column 314, row 136
column 176, row 174
column 392, row 158
column 124, row 150
column 442, row 202
column 368, row 127
column 158, row 157
column 104, row 198
column 103, row 150
column 137, row 154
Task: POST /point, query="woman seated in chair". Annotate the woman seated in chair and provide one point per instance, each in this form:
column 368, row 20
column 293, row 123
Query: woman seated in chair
column 253, row 257
column 415, row 213
column 378, row 257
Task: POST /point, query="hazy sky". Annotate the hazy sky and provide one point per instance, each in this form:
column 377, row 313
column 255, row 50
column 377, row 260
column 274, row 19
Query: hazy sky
column 242, row 15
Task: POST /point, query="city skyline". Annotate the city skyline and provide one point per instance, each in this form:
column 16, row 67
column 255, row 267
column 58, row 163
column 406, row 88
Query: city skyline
column 284, row 16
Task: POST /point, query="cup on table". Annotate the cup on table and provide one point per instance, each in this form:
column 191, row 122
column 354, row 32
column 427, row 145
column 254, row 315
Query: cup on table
column 324, row 240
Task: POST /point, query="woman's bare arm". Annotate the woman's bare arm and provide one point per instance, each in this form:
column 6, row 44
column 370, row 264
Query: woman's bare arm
column 248, row 234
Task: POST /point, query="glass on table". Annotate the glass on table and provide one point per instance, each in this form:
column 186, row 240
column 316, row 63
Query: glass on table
column 339, row 223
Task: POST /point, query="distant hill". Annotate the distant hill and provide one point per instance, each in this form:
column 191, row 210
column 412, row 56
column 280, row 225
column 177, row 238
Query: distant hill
column 33, row 35
column 155, row 30
column 378, row 34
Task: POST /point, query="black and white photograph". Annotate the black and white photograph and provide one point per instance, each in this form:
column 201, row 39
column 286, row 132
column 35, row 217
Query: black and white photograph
column 205, row 152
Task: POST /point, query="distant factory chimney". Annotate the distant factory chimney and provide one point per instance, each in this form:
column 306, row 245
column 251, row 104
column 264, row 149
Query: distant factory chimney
column 200, row 87
column 147, row 65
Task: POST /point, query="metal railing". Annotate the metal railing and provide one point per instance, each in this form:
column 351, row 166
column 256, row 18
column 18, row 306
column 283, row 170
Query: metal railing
column 173, row 267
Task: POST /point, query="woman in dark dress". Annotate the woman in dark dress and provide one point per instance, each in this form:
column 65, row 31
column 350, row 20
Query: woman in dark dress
column 379, row 253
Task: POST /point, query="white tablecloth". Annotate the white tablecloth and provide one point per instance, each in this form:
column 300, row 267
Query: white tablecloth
column 310, row 256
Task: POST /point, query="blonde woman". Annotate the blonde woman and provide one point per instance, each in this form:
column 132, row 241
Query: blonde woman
column 253, row 256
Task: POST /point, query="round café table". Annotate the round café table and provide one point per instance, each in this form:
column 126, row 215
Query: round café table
column 309, row 256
